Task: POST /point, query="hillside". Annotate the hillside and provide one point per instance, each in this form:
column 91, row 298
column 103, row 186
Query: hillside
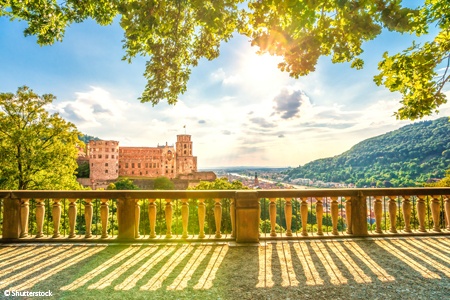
column 408, row 156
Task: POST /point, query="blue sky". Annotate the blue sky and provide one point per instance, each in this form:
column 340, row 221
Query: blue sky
column 240, row 109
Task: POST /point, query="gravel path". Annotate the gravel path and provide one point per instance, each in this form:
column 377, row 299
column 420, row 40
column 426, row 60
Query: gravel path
column 375, row 268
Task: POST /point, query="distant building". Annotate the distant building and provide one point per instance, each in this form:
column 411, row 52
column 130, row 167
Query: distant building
column 108, row 161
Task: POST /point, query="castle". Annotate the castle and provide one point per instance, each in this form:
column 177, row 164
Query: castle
column 107, row 161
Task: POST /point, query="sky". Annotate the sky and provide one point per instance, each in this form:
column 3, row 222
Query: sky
column 239, row 108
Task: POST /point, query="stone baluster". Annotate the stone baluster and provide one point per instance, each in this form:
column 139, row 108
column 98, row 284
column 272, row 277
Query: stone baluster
column 406, row 209
column 319, row 215
column 233, row 217
column 348, row 215
column 393, row 213
column 273, row 216
column 334, row 215
column 201, row 218
column 288, row 216
column 304, row 214
column 185, row 217
column 104, row 215
column 40, row 212
column 435, row 212
column 447, row 211
column 378, row 210
column 24, row 215
column 152, row 217
column 421, row 208
column 137, row 218
column 72, row 217
column 218, row 216
column 88, row 212
column 168, row 213
column 56, row 215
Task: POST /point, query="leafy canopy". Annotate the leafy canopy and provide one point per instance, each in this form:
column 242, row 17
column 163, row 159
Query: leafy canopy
column 37, row 150
column 176, row 34
column 219, row 184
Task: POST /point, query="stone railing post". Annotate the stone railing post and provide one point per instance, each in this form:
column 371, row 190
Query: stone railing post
column 56, row 215
column 447, row 211
column 185, row 217
column 24, row 216
column 359, row 215
column 273, row 216
column 319, row 215
column 126, row 214
column 393, row 214
column 104, row 214
column 348, row 214
column 406, row 209
column 247, row 217
column 435, row 212
column 152, row 217
column 288, row 216
column 11, row 218
column 218, row 216
column 378, row 210
column 72, row 212
column 40, row 213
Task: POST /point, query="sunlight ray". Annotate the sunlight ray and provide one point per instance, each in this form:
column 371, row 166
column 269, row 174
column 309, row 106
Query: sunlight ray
column 194, row 262
column 357, row 273
column 420, row 255
column 336, row 277
column 428, row 244
column 26, row 261
column 38, row 267
column 109, row 278
column 157, row 280
column 265, row 266
column 7, row 251
column 205, row 282
column 287, row 270
column 311, row 274
column 110, row 262
column 410, row 262
column 43, row 276
column 381, row 273
column 443, row 241
column 131, row 281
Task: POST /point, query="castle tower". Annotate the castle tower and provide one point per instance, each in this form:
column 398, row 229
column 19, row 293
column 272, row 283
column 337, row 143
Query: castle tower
column 103, row 160
column 186, row 162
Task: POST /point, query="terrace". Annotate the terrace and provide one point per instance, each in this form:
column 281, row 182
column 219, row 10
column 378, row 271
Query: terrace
column 227, row 244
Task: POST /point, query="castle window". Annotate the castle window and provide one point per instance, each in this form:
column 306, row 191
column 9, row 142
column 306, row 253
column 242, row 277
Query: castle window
column 167, row 171
column 106, row 164
column 146, row 172
column 99, row 156
column 139, row 166
column 106, row 149
column 184, row 151
column 117, row 171
column 106, row 156
column 112, row 156
column 132, row 165
column 132, row 172
column 106, row 171
column 146, row 165
column 92, row 164
column 126, row 165
column 140, row 173
column 112, row 149
column 172, row 171
column 94, row 155
column 184, row 146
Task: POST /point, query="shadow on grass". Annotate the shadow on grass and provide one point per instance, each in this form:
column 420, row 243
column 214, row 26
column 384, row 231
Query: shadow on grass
column 409, row 267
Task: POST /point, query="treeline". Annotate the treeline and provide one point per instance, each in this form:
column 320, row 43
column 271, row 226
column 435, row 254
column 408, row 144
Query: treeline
column 409, row 156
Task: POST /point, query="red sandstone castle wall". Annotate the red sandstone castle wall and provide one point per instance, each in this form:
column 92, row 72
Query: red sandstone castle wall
column 103, row 160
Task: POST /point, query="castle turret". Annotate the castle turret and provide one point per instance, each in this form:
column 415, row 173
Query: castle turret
column 186, row 162
column 104, row 160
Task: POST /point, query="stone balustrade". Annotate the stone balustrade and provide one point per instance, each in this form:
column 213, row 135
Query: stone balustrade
column 224, row 215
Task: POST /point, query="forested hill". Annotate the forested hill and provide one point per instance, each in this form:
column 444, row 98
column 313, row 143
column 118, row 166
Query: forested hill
column 408, row 156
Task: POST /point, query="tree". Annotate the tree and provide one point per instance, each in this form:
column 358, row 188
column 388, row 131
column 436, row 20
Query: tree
column 37, row 150
column 123, row 184
column 219, row 184
column 163, row 183
column 177, row 34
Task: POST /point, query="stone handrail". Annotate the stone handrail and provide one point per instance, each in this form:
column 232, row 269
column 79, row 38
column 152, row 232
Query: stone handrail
column 245, row 210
